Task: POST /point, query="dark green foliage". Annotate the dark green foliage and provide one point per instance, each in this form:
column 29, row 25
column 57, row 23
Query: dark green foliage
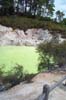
column 44, row 18
column 28, row 77
column 64, row 21
column 14, row 76
column 26, row 23
column 59, row 16
column 45, row 55
column 52, row 51
column 1, row 71
column 35, row 7
column 7, row 7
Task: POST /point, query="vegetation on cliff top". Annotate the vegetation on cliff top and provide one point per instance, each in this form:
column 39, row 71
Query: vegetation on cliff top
column 26, row 14
column 26, row 23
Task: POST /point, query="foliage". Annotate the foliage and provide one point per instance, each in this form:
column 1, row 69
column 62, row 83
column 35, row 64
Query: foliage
column 44, row 56
column 64, row 21
column 12, row 76
column 7, row 7
column 59, row 16
column 26, row 23
column 54, row 51
column 28, row 77
column 44, row 18
column 1, row 71
column 35, row 7
column 30, row 8
column 15, row 76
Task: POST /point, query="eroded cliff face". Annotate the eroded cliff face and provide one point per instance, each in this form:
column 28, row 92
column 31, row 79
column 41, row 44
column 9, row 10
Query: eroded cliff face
column 30, row 37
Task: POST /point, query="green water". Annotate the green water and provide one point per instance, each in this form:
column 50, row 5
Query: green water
column 26, row 56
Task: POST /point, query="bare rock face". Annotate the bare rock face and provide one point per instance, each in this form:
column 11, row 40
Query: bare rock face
column 8, row 36
column 31, row 37
column 19, row 33
column 39, row 34
column 44, row 35
column 5, row 29
column 8, row 39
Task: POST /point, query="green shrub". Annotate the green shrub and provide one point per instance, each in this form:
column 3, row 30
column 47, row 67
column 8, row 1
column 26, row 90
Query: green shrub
column 1, row 74
column 15, row 75
column 51, row 54
column 28, row 77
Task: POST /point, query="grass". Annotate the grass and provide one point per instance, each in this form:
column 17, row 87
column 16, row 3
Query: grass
column 26, row 56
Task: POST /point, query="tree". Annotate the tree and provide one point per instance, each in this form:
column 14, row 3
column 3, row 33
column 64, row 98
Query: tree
column 62, row 15
column 59, row 16
column 50, row 10
column 7, row 6
column 48, row 7
column 28, row 7
column 38, row 7
column 64, row 21
column 44, row 50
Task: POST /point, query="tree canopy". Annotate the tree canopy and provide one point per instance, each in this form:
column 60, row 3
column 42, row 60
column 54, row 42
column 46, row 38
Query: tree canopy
column 59, row 16
column 33, row 7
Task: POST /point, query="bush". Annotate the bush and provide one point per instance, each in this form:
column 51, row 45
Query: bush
column 50, row 54
column 1, row 72
column 15, row 75
column 28, row 77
